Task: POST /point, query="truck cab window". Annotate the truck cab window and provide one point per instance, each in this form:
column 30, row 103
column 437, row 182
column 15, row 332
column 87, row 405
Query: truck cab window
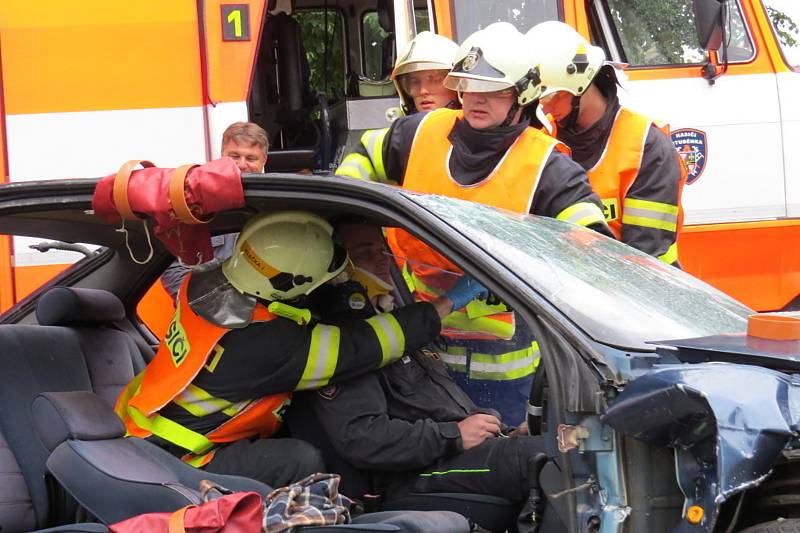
column 323, row 36
column 524, row 14
column 373, row 38
column 663, row 33
column 784, row 17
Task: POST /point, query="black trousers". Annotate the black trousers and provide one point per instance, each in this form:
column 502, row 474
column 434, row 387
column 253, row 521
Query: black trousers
column 497, row 467
column 276, row 462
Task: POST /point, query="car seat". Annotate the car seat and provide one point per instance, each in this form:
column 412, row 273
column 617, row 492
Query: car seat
column 116, row 477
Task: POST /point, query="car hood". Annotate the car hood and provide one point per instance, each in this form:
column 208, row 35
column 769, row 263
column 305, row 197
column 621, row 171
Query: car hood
column 736, row 348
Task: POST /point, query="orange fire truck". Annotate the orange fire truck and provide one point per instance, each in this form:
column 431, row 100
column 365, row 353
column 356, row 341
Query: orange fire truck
column 87, row 85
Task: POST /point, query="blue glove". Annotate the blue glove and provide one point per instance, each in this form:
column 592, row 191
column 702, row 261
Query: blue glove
column 464, row 291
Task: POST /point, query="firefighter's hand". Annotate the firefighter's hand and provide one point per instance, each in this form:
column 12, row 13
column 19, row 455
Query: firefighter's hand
column 477, row 428
column 464, row 291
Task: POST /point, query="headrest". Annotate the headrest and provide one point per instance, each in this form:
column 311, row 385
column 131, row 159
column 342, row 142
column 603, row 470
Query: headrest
column 79, row 415
column 68, row 306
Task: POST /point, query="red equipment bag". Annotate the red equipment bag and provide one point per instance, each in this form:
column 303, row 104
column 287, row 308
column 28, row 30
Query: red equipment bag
column 240, row 512
column 180, row 201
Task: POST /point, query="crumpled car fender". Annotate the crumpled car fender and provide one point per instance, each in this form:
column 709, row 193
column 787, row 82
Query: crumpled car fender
column 727, row 422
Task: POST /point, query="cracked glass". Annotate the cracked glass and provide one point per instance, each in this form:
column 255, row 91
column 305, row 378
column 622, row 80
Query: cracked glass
column 616, row 294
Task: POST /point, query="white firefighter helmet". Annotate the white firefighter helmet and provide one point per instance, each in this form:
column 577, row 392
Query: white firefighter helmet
column 284, row 255
column 496, row 58
column 567, row 61
column 426, row 51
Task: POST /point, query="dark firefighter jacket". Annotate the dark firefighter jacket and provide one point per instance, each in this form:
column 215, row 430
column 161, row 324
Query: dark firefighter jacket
column 655, row 189
column 403, row 417
column 278, row 356
column 562, row 185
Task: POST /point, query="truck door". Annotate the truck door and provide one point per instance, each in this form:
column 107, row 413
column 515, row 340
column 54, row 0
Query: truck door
column 783, row 18
column 728, row 126
column 725, row 124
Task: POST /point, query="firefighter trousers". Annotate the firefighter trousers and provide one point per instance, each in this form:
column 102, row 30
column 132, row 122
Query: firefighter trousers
column 276, row 462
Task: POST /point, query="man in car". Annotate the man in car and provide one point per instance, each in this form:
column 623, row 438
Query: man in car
column 487, row 153
column 418, row 77
column 409, row 423
column 632, row 165
column 247, row 144
column 242, row 340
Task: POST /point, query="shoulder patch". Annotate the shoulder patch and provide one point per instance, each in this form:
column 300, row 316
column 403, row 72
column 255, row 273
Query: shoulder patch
column 330, row 392
column 692, row 146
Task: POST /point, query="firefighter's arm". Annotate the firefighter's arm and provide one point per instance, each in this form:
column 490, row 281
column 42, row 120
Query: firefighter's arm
column 563, row 192
column 397, row 146
column 340, row 352
column 366, row 161
column 354, row 417
column 650, row 208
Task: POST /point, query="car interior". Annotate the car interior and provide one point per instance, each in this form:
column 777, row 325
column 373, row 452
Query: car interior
column 69, row 349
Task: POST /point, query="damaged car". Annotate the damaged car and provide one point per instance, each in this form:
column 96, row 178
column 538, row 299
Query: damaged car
column 665, row 405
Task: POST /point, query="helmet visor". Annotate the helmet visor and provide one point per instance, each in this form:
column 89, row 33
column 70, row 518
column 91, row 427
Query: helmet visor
column 462, row 84
column 416, row 66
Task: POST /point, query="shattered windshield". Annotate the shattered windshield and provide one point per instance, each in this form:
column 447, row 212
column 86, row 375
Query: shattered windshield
column 616, row 294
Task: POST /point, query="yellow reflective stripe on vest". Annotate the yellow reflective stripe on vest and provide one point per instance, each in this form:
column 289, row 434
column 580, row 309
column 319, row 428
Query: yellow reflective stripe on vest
column 507, row 366
column 455, row 358
column 422, row 288
column 357, row 166
column 171, row 431
column 198, row 461
column 582, row 213
column 199, row 403
column 459, row 321
column 390, row 336
column 495, row 367
column 373, row 143
column 650, row 214
column 323, row 354
column 671, row 255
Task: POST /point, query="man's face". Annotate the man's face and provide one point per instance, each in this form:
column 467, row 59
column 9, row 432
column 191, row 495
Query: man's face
column 558, row 104
column 488, row 110
column 365, row 246
column 248, row 158
column 426, row 89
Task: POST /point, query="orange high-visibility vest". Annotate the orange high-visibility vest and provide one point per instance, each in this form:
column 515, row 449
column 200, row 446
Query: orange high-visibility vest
column 182, row 353
column 616, row 170
column 510, row 185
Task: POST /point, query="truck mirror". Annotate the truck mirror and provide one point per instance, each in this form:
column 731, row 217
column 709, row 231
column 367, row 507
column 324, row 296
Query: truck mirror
column 708, row 22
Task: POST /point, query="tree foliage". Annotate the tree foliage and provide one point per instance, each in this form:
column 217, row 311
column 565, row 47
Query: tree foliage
column 323, row 38
column 785, row 27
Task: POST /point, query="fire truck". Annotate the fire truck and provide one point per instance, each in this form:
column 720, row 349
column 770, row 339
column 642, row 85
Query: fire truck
column 87, row 85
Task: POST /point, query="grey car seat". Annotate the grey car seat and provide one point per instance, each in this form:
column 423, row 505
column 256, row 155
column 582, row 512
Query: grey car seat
column 116, row 478
column 52, row 357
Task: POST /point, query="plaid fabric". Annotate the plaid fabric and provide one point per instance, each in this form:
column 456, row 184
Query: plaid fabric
column 313, row 501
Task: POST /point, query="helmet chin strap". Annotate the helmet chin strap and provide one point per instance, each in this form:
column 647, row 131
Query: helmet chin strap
column 510, row 116
column 572, row 118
